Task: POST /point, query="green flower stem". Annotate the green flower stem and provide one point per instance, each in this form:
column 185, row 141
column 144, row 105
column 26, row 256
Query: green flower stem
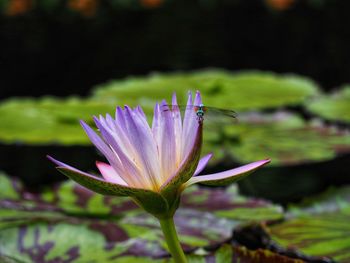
column 172, row 240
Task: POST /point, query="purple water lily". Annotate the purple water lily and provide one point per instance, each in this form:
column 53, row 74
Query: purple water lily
column 152, row 158
column 152, row 165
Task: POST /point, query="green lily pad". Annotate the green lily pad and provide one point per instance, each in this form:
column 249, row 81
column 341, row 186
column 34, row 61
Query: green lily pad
column 326, row 234
column 71, row 222
column 48, row 120
column 278, row 136
column 334, row 199
column 334, row 107
column 229, row 204
column 319, row 227
column 240, row 90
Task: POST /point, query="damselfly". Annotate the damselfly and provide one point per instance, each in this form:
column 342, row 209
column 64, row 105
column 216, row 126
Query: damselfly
column 204, row 112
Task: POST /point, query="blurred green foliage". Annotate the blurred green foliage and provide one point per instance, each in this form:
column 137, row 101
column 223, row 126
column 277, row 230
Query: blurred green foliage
column 255, row 136
column 245, row 90
column 334, row 107
column 278, row 136
column 48, row 120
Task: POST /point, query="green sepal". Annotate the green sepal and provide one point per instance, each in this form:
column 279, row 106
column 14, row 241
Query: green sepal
column 149, row 200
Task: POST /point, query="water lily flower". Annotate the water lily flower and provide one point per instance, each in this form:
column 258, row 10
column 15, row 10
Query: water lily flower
column 152, row 164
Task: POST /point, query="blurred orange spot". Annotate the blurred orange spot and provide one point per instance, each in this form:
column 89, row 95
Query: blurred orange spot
column 280, row 5
column 151, row 3
column 87, row 8
column 18, row 7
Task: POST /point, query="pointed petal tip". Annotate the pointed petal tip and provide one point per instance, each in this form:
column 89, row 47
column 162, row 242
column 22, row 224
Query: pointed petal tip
column 60, row 164
column 85, row 126
column 202, row 164
column 128, row 110
column 82, row 123
column 50, row 158
column 56, row 162
column 229, row 176
column 266, row 161
column 173, row 96
column 198, row 98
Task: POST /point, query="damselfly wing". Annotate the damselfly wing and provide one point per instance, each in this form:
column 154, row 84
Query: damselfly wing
column 212, row 114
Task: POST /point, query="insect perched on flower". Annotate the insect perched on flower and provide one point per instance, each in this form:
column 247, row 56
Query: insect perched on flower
column 153, row 164
column 202, row 111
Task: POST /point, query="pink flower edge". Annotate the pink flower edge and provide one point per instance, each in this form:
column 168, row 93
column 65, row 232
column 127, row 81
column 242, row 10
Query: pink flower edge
column 229, row 176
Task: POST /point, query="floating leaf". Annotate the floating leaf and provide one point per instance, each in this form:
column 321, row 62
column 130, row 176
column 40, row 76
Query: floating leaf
column 229, row 204
column 326, row 235
column 48, row 120
column 335, row 107
column 279, row 136
column 240, row 90
column 334, row 199
column 319, row 227
column 71, row 222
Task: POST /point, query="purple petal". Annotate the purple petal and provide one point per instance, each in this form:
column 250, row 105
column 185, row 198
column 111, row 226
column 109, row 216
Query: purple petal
column 120, row 118
column 202, row 163
column 197, row 98
column 229, row 176
column 167, row 147
column 177, row 128
column 120, row 134
column 139, row 110
column 66, row 166
column 109, row 174
column 110, row 122
column 100, row 144
column 127, row 169
column 156, row 124
column 190, row 127
column 141, row 137
column 187, row 167
column 189, row 115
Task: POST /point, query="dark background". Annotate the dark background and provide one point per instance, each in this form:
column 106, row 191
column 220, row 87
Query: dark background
column 62, row 52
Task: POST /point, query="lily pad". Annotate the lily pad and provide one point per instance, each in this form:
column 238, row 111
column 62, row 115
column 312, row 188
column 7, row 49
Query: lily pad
column 229, row 204
column 334, row 107
column 332, row 200
column 71, row 222
column 320, row 227
column 285, row 138
column 239, row 90
column 324, row 235
column 48, row 120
